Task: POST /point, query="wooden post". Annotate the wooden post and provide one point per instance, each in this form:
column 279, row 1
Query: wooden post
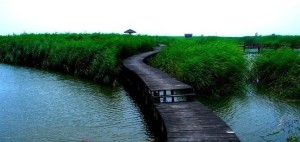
column 156, row 93
column 146, row 101
column 165, row 97
column 172, row 93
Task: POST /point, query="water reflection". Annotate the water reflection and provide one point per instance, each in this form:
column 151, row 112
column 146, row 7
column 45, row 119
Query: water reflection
column 257, row 115
column 40, row 106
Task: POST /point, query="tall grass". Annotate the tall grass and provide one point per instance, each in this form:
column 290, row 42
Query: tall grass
column 213, row 66
column 97, row 56
column 272, row 40
column 278, row 70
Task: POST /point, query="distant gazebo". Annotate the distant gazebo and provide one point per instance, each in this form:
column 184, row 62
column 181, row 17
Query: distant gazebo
column 130, row 31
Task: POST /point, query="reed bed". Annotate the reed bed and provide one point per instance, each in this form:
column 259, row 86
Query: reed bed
column 214, row 66
column 97, row 56
column 278, row 71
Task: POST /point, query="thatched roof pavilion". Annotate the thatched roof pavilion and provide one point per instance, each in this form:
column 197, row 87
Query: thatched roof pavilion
column 130, row 31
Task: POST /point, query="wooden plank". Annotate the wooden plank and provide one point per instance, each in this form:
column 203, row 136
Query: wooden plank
column 152, row 77
column 192, row 121
column 181, row 95
column 184, row 121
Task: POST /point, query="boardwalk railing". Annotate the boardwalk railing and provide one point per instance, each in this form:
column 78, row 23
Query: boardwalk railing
column 256, row 48
column 170, row 105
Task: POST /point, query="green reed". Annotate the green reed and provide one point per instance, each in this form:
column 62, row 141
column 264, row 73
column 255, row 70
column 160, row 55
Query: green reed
column 97, row 56
column 278, row 70
column 214, row 66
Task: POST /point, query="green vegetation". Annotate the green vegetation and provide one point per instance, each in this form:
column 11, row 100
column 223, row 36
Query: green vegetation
column 278, row 70
column 214, row 66
column 96, row 56
column 281, row 41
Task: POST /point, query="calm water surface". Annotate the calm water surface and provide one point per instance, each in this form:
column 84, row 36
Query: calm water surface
column 259, row 116
column 42, row 106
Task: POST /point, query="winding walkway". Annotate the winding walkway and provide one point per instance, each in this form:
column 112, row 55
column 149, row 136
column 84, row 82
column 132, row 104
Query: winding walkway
column 184, row 120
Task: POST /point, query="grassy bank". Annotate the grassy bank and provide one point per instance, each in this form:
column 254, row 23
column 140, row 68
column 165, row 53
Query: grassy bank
column 96, row 56
column 214, row 66
column 279, row 71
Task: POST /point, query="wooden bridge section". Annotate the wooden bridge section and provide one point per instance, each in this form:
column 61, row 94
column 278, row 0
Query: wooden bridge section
column 257, row 48
column 181, row 118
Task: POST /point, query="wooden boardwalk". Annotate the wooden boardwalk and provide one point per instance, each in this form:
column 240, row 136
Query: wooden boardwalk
column 183, row 121
column 155, row 79
column 192, row 121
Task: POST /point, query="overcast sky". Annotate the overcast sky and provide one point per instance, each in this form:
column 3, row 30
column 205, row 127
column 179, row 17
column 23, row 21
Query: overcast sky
column 152, row 17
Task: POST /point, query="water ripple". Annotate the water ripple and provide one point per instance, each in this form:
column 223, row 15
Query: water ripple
column 39, row 106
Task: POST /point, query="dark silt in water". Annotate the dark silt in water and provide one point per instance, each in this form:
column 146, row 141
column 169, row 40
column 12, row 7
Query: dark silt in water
column 41, row 106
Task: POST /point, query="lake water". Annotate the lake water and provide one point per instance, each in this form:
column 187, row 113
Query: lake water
column 258, row 116
column 41, row 106
column 251, row 50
